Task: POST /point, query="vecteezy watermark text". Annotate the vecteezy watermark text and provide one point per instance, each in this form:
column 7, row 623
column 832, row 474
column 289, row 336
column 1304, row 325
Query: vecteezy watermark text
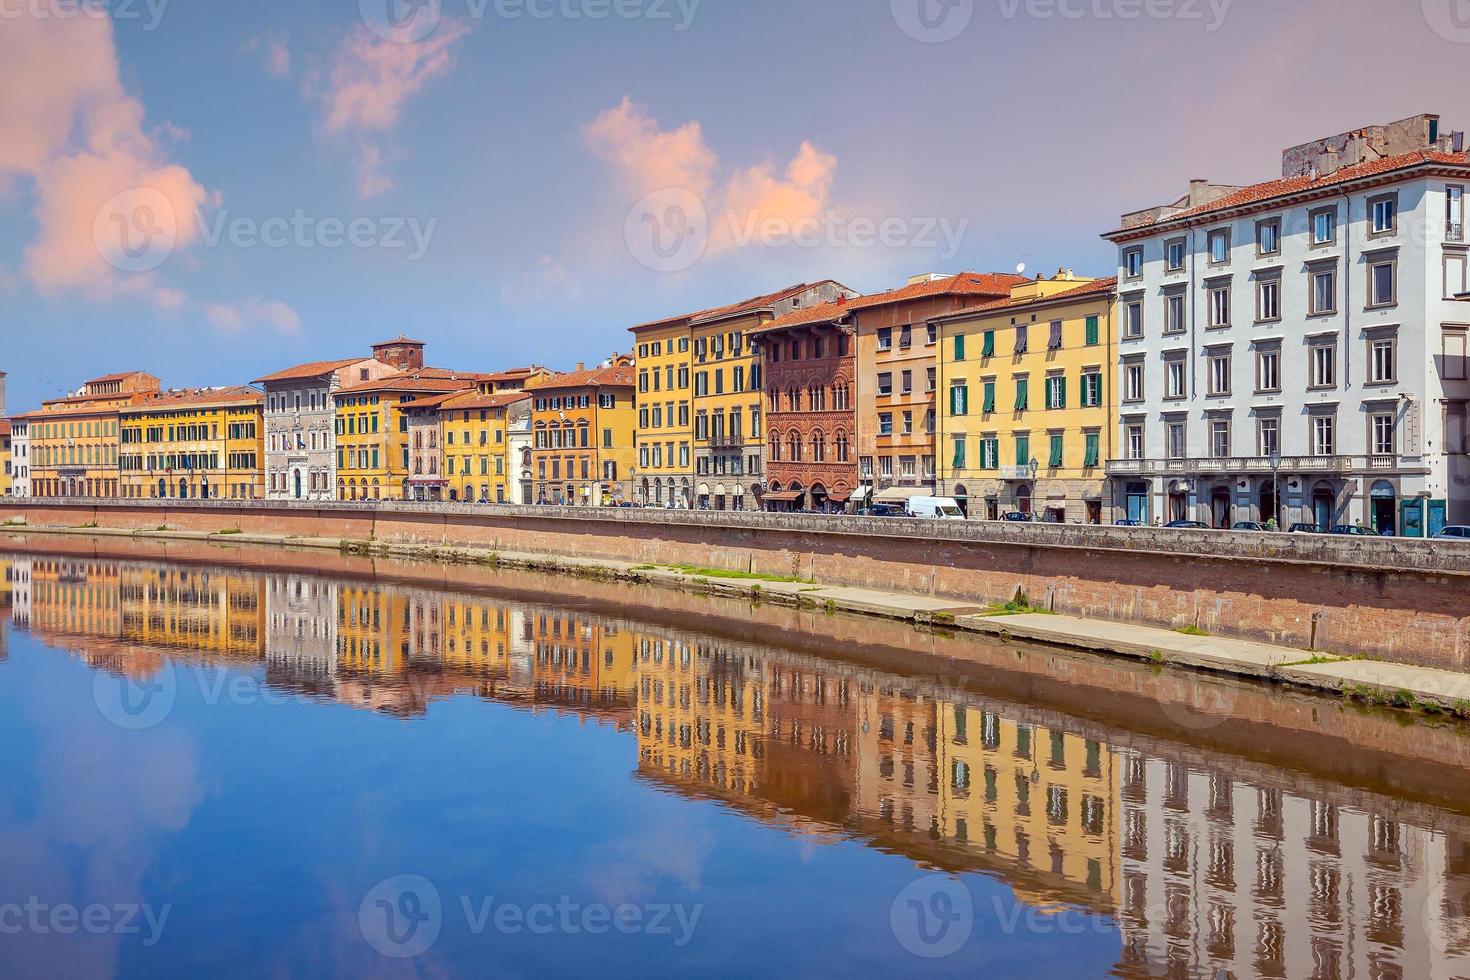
column 938, row 21
column 403, row 916
column 40, row 918
column 408, row 21
column 148, row 11
column 139, row 703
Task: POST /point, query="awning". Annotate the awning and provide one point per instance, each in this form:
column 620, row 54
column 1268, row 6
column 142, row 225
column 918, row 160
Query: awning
column 897, row 495
column 839, row 498
column 785, row 496
column 861, row 493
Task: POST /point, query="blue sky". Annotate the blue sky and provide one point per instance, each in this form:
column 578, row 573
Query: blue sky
column 518, row 146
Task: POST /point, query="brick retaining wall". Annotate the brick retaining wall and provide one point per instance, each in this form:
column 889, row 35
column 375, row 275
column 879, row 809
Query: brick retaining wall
column 1396, row 599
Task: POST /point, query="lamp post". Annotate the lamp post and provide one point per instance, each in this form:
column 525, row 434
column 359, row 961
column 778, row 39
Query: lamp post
column 1034, row 467
column 1276, row 487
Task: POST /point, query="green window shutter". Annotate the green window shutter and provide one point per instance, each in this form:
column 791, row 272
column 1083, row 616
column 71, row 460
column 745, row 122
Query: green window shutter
column 1056, row 450
column 953, row 401
column 1091, row 331
column 988, row 349
column 959, row 454
column 959, row 347
column 1021, row 399
column 1023, row 451
column 1092, row 450
column 989, row 397
column 1062, row 393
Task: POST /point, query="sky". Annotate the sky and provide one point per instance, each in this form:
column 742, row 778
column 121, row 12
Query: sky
column 213, row 191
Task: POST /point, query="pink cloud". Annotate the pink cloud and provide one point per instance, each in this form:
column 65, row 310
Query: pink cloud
column 648, row 159
column 275, row 52
column 371, row 180
column 276, row 316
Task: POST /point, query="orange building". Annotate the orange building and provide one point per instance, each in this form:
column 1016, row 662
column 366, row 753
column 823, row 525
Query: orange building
column 74, row 442
column 583, row 426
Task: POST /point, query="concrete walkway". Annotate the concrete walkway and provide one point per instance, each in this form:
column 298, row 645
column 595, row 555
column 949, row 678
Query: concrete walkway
column 1376, row 681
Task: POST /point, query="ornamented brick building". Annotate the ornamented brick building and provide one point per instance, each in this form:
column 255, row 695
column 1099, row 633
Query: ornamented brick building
column 810, row 367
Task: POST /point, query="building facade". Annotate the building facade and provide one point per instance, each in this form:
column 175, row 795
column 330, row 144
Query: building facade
column 207, row 444
column 809, row 369
column 1025, row 386
column 476, row 436
column 584, row 425
column 665, row 434
column 372, row 429
column 74, row 440
column 20, row 457
column 1295, row 350
column 301, row 417
column 897, row 359
column 7, row 462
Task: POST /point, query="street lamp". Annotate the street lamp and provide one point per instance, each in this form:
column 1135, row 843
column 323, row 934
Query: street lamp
column 1276, row 487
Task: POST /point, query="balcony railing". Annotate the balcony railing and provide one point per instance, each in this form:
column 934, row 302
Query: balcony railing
column 1454, row 231
column 1261, row 465
column 726, row 441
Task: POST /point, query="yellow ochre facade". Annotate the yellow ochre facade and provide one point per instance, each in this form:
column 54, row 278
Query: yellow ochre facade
column 203, row 444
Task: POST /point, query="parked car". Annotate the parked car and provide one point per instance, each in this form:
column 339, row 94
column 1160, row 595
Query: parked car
column 1306, row 529
column 886, row 510
column 935, row 508
column 1353, row 529
column 1250, row 526
column 1128, row 523
column 1018, row 516
column 1460, row 532
column 1192, row 525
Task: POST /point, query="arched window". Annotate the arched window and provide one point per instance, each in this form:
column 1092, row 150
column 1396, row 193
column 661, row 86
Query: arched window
column 841, row 446
column 819, row 447
column 793, row 444
column 775, row 448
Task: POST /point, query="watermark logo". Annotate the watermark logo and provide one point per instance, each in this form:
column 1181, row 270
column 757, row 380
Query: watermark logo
column 401, row 21
column 97, row 919
column 1447, row 922
column 136, row 703
column 402, row 916
column 119, row 10
column 932, row 21
column 136, row 231
column 1450, row 19
column 668, row 231
column 933, row 917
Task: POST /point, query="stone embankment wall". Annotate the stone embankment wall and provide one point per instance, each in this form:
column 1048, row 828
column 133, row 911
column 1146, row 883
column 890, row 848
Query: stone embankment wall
column 1396, row 599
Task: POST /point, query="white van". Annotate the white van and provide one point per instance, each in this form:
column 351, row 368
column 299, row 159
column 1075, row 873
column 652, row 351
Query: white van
column 935, row 508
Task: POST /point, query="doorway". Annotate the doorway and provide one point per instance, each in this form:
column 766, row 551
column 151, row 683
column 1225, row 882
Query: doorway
column 1268, row 504
column 1383, row 509
column 1178, row 505
column 1094, row 511
column 1023, row 499
column 1324, row 506
column 1220, row 507
column 1135, row 502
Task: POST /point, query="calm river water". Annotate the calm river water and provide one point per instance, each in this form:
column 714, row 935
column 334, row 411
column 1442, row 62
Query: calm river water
column 244, row 763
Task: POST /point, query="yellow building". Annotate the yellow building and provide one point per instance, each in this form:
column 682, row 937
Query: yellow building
column 665, row 436
column 206, row 443
column 372, row 431
column 475, row 432
column 583, row 426
column 74, row 440
column 196, row 612
column 373, row 631
column 1026, row 419
column 7, row 461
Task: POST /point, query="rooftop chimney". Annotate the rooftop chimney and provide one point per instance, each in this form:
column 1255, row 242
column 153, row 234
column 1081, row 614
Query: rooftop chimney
column 581, row 366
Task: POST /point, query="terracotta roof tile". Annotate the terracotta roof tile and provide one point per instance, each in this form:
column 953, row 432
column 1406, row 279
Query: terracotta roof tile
column 475, row 400
column 107, row 378
column 1288, row 186
column 821, row 313
column 750, row 305
column 429, row 380
column 311, row 369
column 616, row 376
column 198, row 396
column 1085, row 289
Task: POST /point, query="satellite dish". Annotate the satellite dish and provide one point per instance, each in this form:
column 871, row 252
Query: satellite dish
column 1020, row 268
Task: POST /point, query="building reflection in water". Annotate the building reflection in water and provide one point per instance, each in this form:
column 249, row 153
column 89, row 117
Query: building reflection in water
column 1208, row 865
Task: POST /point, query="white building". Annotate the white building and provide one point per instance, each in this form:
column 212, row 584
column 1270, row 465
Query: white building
column 20, row 458
column 300, row 417
column 1318, row 320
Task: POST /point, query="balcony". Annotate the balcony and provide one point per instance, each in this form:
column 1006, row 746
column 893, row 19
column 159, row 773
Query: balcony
column 725, row 441
column 1261, row 465
column 1454, row 231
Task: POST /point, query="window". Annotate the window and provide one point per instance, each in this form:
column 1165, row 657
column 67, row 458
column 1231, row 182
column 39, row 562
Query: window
column 1023, row 449
column 1323, row 365
column 989, row 453
column 988, row 404
column 1383, row 281
column 1091, row 449
column 1133, row 382
column 958, row 461
column 929, row 380
column 1220, row 373
column 1133, row 440
column 1021, row 338
column 1220, row 438
column 908, row 382
column 1219, row 240
column 1382, row 366
column 1022, row 394
column 1456, row 281
column 885, row 338
column 1174, row 255
column 885, row 423
column 1056, row 391
column 959, row 347
column 1091, row 389
column 1056, row 450
column 1220, row 305
column 1174, row 313
column 1324, row 291
column 1133, row 263
column 1324, row 227
column 1268, row 300
column 959, row 398
column 905, row 337
column 1268, row 236
column 1091, row 338
column 1381, row 433
column 1175, row 444
column 1324, row 435
column 1055, row 340
column 885, row 383
column 1268, row 369
column 1454, row 206
column 1453, row 361
column 1268, row 436
column 1384, row 215
column 1174, row 385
